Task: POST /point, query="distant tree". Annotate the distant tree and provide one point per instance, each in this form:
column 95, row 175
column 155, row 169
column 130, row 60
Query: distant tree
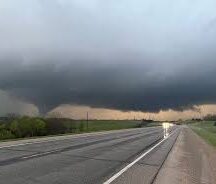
column 14, row 127
column 55, row 126
column 39, row 127
column 210, row 117
column 6, row 134
column 214, row 123
column 145, row 122
column 12, row 116
column 81, row 126
column 27, row 127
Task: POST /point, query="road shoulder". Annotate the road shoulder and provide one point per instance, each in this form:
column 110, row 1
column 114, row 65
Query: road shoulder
column 191, row 161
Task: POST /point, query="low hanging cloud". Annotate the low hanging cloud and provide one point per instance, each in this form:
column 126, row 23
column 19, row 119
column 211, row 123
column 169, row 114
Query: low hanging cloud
column 125, row 55
column 10, row 104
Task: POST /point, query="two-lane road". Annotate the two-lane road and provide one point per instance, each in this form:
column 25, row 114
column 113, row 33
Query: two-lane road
column 88, row 158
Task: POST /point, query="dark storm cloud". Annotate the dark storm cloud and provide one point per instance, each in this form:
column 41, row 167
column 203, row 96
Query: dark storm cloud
column 126, row 55
column 118, row 87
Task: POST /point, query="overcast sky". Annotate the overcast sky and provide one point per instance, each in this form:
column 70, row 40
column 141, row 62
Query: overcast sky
column 124, row 55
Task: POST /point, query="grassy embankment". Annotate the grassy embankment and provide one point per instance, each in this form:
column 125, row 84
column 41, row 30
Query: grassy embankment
column 26, row 127
column 206, row 130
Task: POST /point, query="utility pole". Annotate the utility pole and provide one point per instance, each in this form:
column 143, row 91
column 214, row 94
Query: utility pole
column 87, row 119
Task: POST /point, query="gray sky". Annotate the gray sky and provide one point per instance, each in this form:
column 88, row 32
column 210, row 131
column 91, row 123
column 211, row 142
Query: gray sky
column 119, row 54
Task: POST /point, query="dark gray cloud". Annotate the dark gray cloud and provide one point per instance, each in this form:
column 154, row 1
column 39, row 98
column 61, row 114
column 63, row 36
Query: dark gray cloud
column 126, row 55
column 124, row 87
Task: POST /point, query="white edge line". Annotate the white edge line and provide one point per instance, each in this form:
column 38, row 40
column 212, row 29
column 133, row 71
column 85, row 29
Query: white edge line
column 115, row 176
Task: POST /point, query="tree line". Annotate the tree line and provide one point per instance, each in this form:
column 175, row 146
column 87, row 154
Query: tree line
column 29, row 127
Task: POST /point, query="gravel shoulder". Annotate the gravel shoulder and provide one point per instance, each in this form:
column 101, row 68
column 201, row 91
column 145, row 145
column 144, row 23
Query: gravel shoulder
column 191, row 161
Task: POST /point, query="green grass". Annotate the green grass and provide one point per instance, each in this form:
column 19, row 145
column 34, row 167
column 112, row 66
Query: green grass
column 206, row 130
column 103, row 125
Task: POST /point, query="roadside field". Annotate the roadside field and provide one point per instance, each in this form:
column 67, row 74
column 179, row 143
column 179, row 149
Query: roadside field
column 27, row 127
column 206, row 130
column 99, row 125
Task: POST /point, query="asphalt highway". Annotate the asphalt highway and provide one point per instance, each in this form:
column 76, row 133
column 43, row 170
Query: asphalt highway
column 126, row 156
